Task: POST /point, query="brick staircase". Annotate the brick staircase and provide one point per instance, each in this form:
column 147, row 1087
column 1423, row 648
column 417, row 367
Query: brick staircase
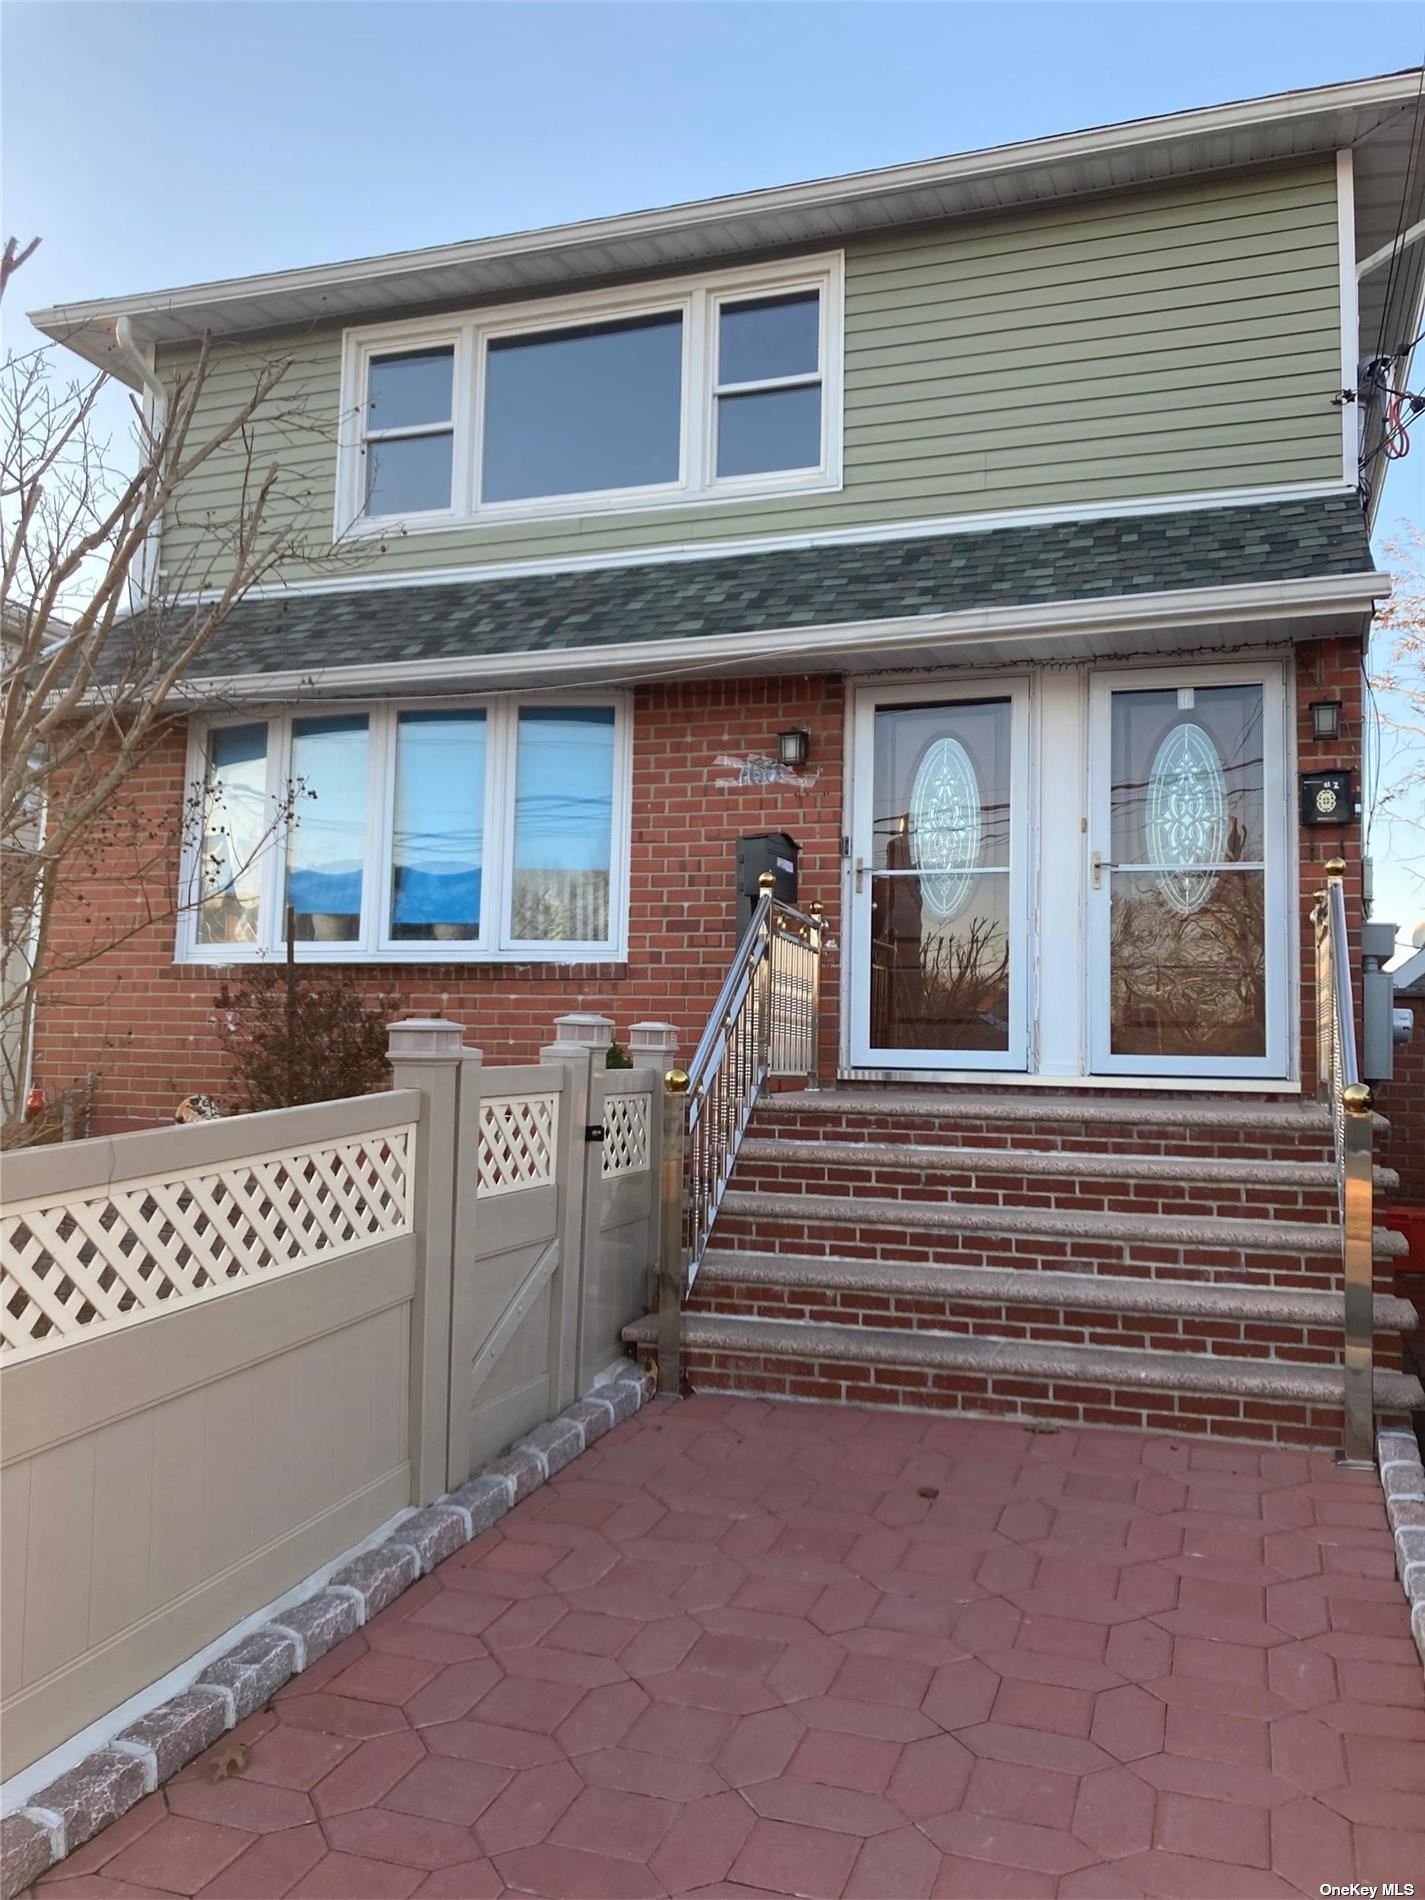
column 1162, row 1263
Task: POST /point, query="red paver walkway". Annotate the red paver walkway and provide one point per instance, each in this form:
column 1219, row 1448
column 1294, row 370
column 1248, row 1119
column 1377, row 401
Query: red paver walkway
column 741, row 1648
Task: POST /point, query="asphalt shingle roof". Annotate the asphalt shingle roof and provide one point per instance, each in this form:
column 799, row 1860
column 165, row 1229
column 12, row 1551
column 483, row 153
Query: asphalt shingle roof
column 821, row 586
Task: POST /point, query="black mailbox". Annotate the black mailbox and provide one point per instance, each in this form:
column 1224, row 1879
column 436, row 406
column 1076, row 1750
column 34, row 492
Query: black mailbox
column 763, row 851
column 1327, row 798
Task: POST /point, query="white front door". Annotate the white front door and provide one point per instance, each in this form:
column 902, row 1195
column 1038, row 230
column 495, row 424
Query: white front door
column 1187, row 900
column 939, row 912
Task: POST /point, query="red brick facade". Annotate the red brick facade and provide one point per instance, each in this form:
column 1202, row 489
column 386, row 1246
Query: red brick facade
column 144, row 1025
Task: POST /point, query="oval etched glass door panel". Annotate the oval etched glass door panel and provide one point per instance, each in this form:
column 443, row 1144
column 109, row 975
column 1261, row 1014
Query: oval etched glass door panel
column 1187, row 924
column 1187, row 816
column 943, row 833
column 939, row 918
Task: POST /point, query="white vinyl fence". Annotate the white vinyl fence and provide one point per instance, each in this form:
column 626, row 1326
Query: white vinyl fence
column 230, row 1351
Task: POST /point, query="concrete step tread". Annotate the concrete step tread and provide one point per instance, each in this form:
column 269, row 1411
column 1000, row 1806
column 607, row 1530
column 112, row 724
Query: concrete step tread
column 1020, row 1286
column 936, row 1157
column 1214, row 1112
column 1054, row 1223
column 1108, row 1367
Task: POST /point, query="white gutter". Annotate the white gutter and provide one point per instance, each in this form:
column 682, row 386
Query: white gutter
column 1387, row 251
column 1185, row 608
column 137, row 361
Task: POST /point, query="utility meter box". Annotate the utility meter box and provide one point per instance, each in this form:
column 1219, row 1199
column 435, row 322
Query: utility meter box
column 761, row 851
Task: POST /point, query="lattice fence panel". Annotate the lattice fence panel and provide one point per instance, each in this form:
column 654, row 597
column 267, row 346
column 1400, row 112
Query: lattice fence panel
column 135, row 1247
column 626, row 1133
column 518, row 1136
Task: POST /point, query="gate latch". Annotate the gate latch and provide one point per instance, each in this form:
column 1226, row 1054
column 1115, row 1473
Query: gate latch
column 594, row 1131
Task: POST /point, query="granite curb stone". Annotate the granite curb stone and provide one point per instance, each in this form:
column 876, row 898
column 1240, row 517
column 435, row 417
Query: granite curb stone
column 179, row 1729
column 484, row 1500
column 556, row 1443
column 108, row 1782
column 433, row 1534
column 26, row 1850
column 254, row 1671
column 522, row 1469
column 378, row 1576
column 1402, row 1479
column 320, row 1623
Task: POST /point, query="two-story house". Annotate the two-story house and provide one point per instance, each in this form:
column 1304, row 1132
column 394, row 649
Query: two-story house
column 996, row 527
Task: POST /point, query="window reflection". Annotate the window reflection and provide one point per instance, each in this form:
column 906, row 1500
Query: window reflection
column 410, row 431
column 234, row 825
column 564, row 786
column 327, row 841
column 940, row 895
column 1187, row 904
column 1189, row 984
column 438, row 839
column 571, row 411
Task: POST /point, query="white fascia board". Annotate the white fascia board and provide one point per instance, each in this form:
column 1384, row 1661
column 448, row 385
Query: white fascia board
column 821, row 646
column 801, row 208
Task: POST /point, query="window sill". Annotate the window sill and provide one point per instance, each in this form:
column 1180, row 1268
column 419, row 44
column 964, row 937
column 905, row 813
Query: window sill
column 585, row 508
column 587, row 968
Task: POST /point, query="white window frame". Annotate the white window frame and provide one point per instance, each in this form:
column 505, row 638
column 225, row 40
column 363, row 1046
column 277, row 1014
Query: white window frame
column 496, row 943
column 773, row 481
column 442, row 338
column 697, row 299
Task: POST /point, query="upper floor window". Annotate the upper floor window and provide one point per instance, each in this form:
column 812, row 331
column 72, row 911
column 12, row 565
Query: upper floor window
column 410, row 432
column 691, row 391
column 491, row 829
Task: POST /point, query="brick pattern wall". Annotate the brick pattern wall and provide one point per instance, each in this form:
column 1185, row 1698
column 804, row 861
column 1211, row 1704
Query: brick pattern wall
column 1284, row 1423
column 145, row 1025
column 976, row 1185
column 847, row 1239
column 1402, row 1101
column 1063, row 1325
column 1327, row 669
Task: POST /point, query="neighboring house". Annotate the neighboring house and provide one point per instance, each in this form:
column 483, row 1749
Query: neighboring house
column 1032, row 486
column 1403, row 1099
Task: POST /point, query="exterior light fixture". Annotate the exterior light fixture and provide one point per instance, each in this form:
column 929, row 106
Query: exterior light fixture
column 1326, row 719
column 793, row 746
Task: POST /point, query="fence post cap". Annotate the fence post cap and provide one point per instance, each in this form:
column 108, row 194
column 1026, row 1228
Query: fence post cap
column 582, row 1029
column 653, row 1038
column 422, row 1037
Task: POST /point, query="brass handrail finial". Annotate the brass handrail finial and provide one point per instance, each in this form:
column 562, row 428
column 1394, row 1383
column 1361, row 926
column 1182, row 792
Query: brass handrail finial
column 1357, row 1098
column 766, row 880
column 1335, row 867
column 676, row 1081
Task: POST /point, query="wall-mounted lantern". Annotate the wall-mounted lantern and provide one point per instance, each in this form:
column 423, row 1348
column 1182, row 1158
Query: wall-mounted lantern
column 793, row 746
column 1326, row 719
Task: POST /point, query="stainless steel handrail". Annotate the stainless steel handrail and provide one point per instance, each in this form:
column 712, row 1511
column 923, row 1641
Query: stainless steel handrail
column 1340, row 1088
column 765, row 1022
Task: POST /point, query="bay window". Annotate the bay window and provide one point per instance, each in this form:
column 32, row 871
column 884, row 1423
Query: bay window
column 692, row 390
column 480, row 830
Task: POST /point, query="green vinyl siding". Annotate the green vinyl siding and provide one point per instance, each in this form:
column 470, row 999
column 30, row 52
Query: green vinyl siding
column 1157, row 342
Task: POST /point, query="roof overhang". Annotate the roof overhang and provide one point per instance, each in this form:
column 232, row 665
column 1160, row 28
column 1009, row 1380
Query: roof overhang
column 1266, row 614
column 1374, row 117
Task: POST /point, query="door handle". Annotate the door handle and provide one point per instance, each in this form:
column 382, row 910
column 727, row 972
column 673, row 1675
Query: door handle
column 860, row 875
column 1100, row 865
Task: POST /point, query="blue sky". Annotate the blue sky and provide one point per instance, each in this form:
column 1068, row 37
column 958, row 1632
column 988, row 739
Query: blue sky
column 173, row 142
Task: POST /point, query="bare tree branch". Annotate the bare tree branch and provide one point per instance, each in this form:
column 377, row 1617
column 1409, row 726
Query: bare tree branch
column 95, row 659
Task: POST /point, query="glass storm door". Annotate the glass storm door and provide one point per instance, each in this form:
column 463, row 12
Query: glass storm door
column 938, row 866
column 1188, row 918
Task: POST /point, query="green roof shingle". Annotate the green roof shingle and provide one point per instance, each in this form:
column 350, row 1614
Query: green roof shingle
column 1314, row 538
